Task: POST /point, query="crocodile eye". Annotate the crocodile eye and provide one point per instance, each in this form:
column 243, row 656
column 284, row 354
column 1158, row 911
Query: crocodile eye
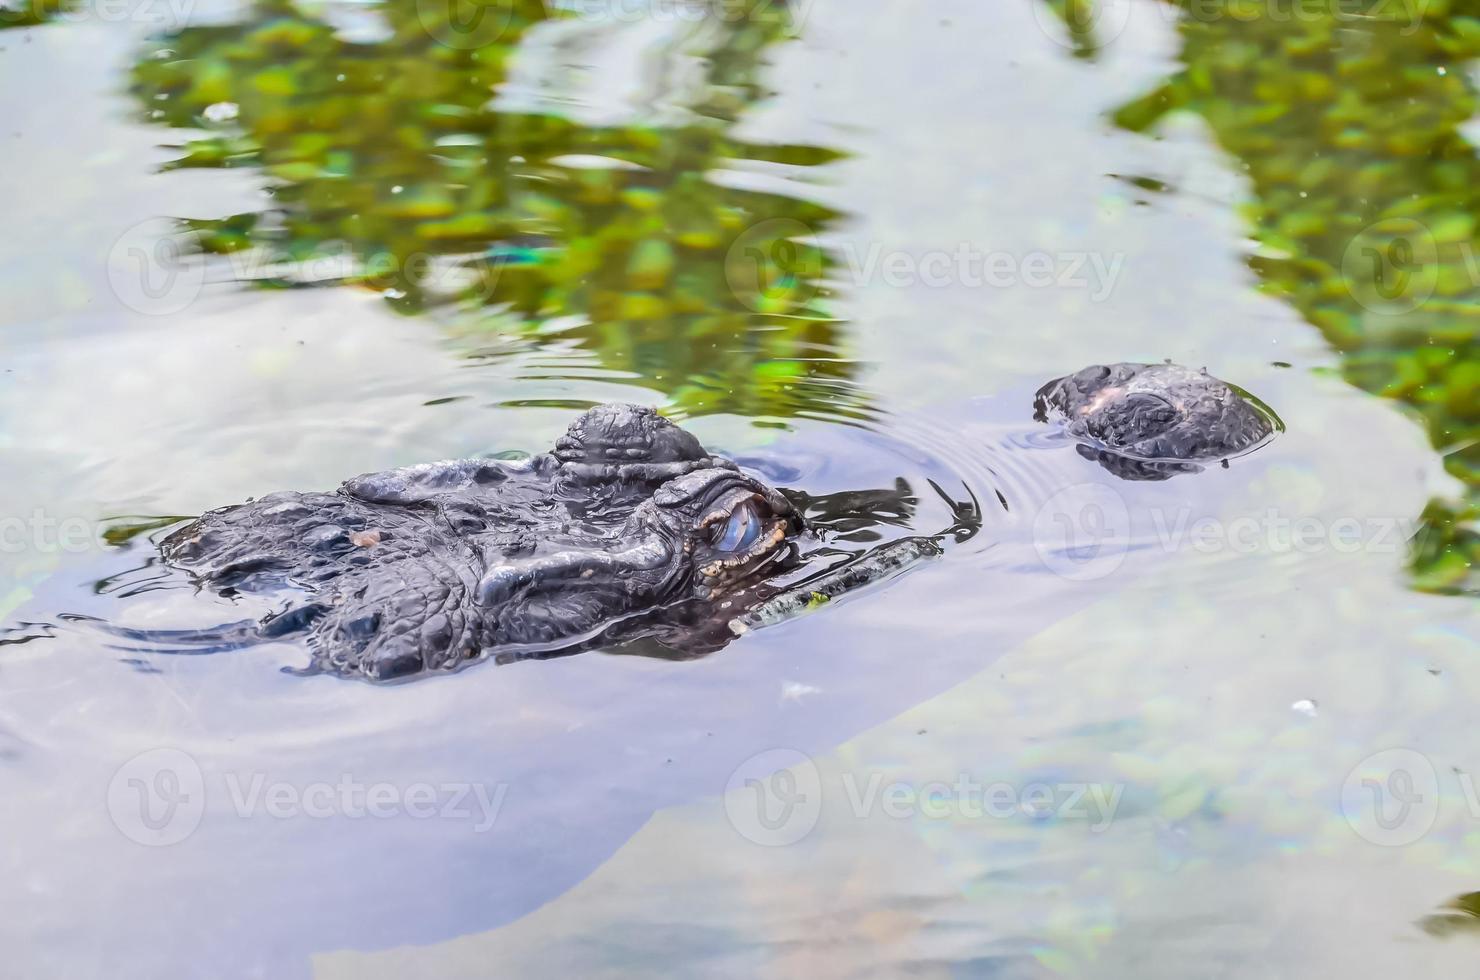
column 739, row 531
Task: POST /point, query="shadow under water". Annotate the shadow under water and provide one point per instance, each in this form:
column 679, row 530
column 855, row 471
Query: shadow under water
column 479, row 160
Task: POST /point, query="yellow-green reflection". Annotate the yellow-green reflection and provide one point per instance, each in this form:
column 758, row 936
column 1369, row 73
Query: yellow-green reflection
column 26, row 13
column 1459, row 916
column 1078, row 18
column 1346, row 117
column 398, row 146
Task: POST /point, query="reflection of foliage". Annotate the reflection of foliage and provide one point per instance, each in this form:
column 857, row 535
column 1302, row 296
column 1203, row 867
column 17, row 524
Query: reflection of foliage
column 398, row 154
column 1461, row 915
column 1365, row 200
column 1078, row 18
column 29, row 12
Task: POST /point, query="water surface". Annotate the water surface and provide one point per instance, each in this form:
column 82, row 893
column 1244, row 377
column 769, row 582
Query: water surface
column 579, row 191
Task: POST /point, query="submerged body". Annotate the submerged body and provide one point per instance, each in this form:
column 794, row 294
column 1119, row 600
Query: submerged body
column 1153, row 421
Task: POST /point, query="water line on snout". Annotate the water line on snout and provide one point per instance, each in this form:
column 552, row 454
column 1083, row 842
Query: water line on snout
column 879, row 565
column 977, row 479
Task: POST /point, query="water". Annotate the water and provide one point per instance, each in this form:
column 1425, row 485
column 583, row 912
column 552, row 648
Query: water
column 1158, row 807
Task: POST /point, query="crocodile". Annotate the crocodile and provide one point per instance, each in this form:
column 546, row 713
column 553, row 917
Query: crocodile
column 629, row 528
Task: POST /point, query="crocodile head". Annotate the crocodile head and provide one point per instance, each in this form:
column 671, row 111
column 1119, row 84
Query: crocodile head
column 433, row 566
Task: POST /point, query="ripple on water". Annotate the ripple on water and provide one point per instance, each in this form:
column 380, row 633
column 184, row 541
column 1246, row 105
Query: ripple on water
column 1007, row 498
column 1001, row 494
column 866, row 482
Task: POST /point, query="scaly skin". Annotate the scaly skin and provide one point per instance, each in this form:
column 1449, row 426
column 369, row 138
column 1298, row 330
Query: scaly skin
column 1152, row 421
column 432, row 566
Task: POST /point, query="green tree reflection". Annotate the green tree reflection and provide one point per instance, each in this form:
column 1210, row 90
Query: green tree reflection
column 1346, row 116
column 404, row 145
column 27, row 13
